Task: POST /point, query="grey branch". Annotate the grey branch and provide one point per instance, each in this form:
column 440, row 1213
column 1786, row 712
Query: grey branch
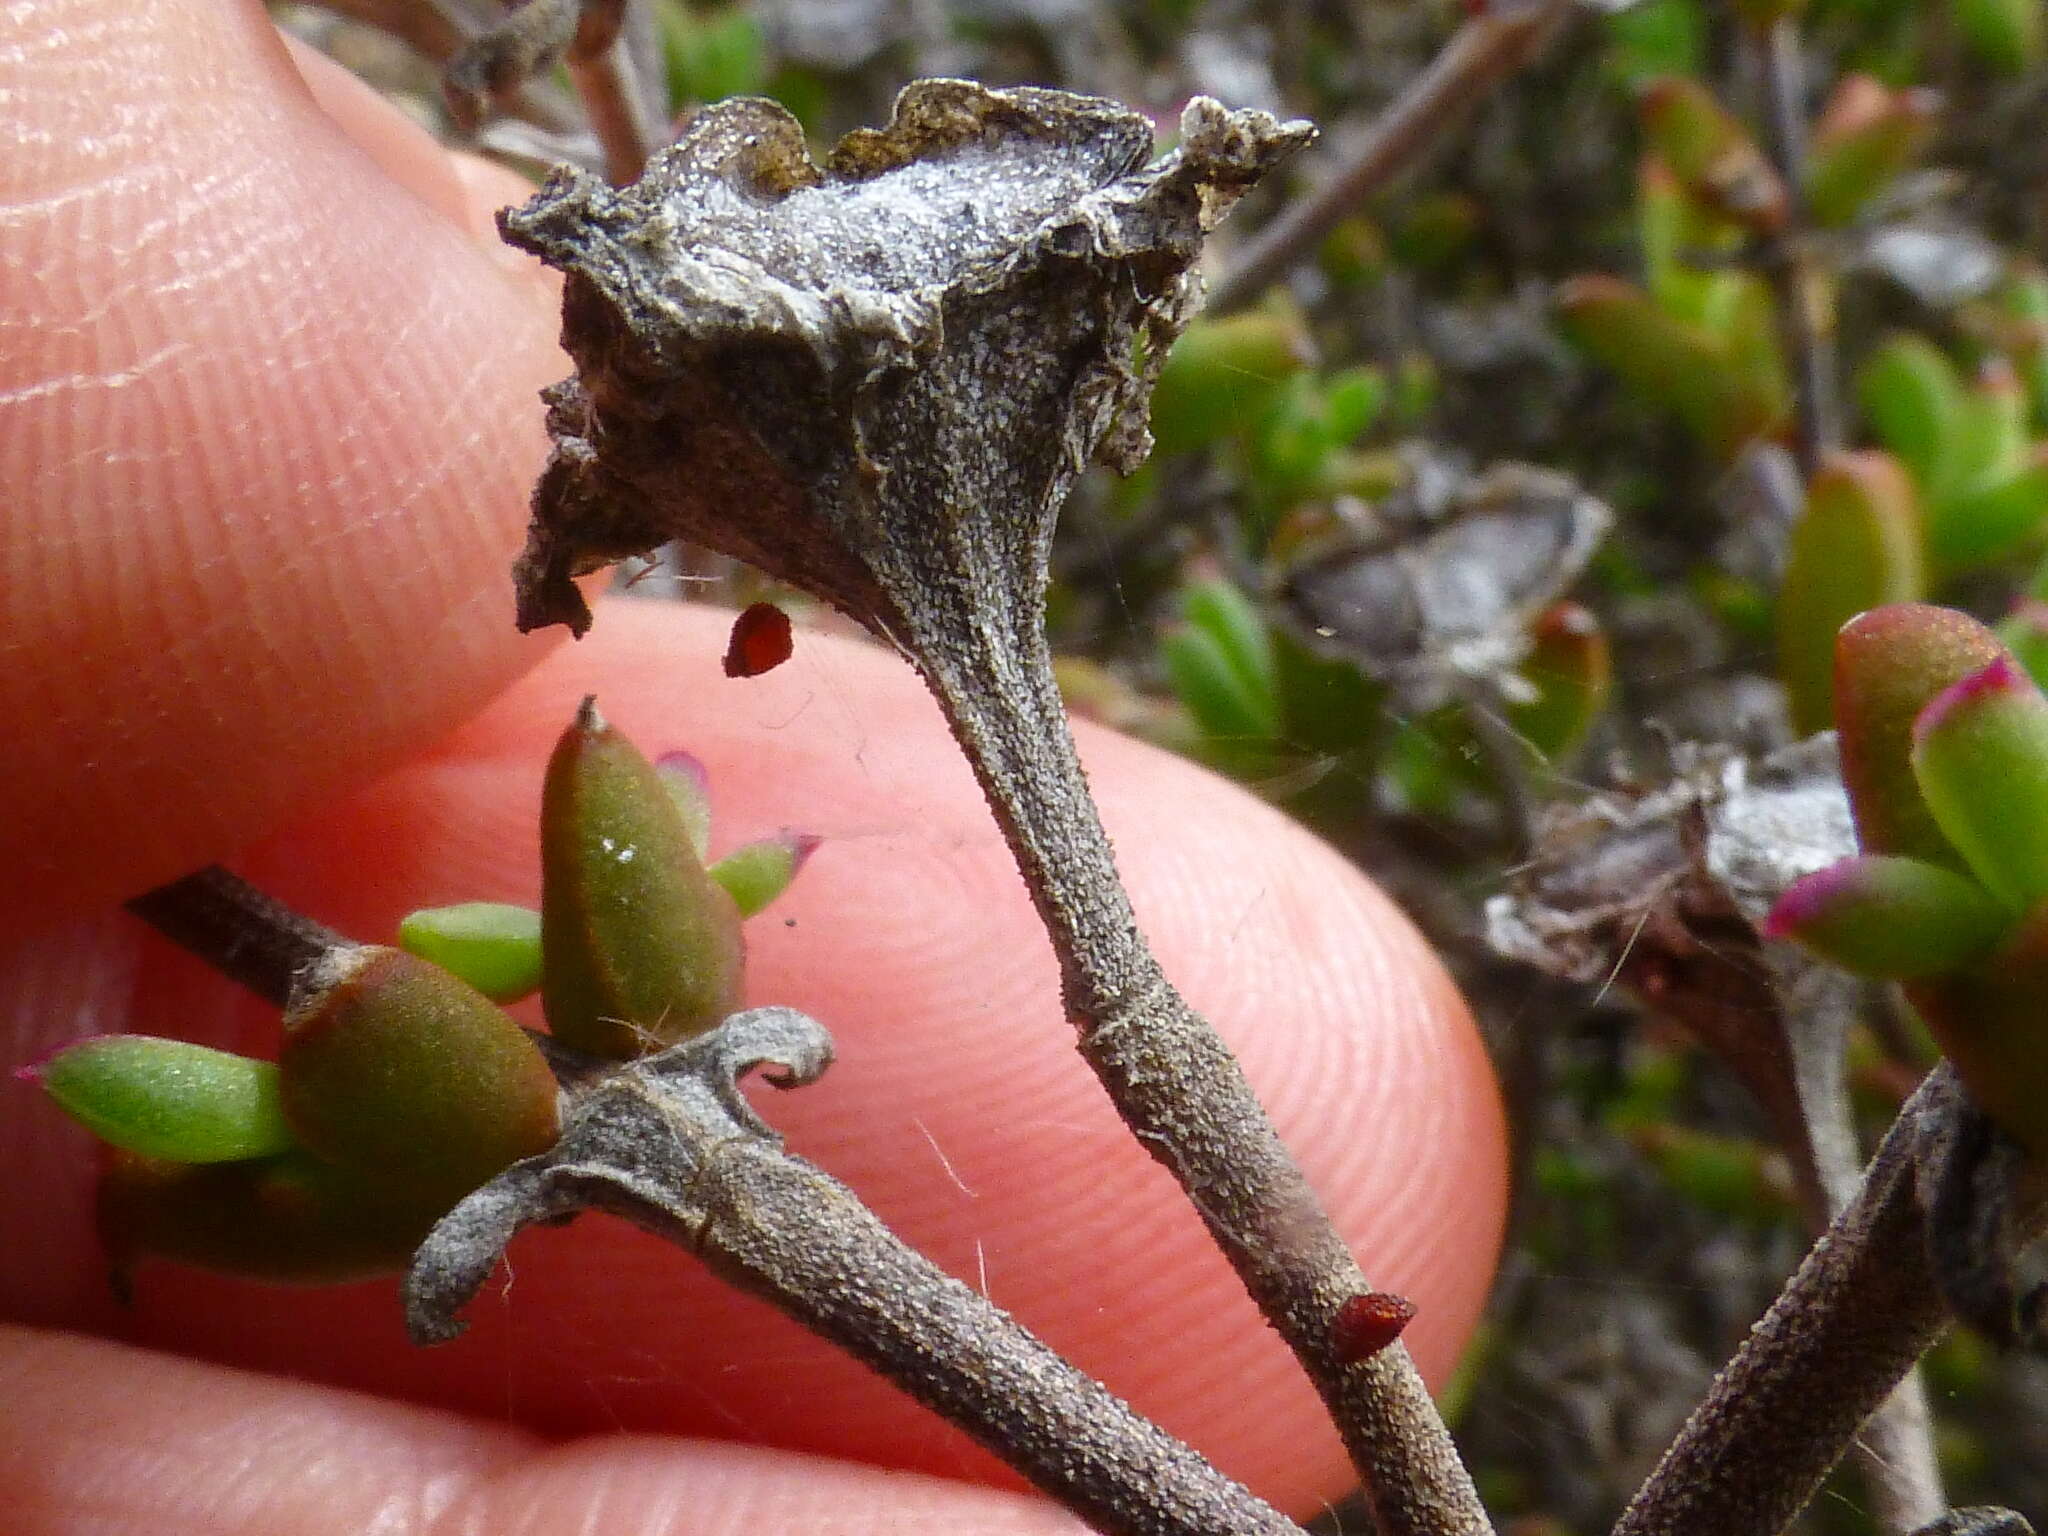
column 670, row 1144
column 1861, row 1309
column 245, row 935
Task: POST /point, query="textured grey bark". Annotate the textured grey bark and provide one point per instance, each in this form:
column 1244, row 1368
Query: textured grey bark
column 1866, row 1303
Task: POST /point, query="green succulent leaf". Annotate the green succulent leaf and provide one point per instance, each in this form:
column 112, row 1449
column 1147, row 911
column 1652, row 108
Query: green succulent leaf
column 1221, row 378
column 1987, row 1020
column 2025, row 633
column 1896, row 918
column 754, row 874
column 1206, row 677
column 689, row 789
column 492, row 945
column 168, row 1098
column 1682, row 367
column 400, row 1072
column 1889, row 664
column 640, row 947
column 1855, row 547
column 1980, row 755
column 1867, row 136
column 290, row 1219
column 1711, row 153
column 1914, row 401
column 1989, row 524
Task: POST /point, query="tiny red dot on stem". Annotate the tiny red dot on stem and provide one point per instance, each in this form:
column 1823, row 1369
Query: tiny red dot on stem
column 1368, row 1323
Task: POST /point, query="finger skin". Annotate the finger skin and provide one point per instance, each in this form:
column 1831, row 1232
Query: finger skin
column 958, row 1107
column 100, row 1436
column 267, row 427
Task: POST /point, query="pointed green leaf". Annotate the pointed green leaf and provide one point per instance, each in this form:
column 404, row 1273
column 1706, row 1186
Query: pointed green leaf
column 168, row 1098
column 754, row 874
column 1881, row 915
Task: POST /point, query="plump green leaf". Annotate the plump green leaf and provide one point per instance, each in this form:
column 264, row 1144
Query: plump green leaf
column 640, row 948
column 1889, row 664
column 1896, row 918
column 1980, row 755
column 492, row 945
column 402, row 1073
column 169, row 1098
column 1855, row 547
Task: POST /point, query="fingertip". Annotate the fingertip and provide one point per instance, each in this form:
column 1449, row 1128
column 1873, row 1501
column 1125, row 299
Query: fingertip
column 402, row 150
column 270, row 422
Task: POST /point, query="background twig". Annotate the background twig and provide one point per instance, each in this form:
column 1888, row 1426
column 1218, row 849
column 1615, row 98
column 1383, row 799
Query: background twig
column 1796, row 285
column 1481, row 54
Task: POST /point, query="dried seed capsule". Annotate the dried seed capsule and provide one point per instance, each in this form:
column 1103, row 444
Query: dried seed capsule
column 641, row 948
column 405, row 1075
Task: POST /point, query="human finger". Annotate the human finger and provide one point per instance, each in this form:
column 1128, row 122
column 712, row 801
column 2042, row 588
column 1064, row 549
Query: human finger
column 267, row 427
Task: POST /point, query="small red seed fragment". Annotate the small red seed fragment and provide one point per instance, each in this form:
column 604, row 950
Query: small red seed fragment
column 760, row 641
column 1367, row 1324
